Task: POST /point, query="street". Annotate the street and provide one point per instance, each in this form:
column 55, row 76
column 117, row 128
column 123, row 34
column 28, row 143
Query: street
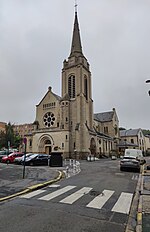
column 97, row 199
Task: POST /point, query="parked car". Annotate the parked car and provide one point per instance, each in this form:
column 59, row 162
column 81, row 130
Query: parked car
column 113, row 157
column 4, row 153
column 19, row 160
column 10, row 158
column 37, row 159
column 132, row 159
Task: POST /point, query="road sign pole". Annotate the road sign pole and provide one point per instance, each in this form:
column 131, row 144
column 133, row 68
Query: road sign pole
column 24, row 165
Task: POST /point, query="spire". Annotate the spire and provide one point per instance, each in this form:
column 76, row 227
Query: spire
column 76, row 48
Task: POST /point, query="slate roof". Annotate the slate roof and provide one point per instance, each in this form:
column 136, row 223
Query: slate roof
column 131, row 132
column 126, row 144
column 104, row 117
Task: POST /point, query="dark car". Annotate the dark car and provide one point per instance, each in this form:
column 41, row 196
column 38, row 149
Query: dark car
column 37, row 159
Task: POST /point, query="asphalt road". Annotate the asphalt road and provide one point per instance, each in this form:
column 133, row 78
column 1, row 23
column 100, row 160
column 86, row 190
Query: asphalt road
column 98, row 199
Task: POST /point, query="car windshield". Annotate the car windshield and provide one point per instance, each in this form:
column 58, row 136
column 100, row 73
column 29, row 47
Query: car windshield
column 11, row 155
column 32, row 156
column 129, row 157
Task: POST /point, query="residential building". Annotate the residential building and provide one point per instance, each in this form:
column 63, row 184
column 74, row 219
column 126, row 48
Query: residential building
column 23, row 129
column 132, row 138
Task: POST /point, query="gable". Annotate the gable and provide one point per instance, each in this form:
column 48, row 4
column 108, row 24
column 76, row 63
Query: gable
column 49, row 99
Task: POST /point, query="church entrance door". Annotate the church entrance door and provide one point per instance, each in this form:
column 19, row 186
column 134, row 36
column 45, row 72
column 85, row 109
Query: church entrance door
column 48, row 149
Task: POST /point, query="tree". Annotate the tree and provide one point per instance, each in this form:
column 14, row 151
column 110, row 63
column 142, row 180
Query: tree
column 8, row 138
column 9, row 134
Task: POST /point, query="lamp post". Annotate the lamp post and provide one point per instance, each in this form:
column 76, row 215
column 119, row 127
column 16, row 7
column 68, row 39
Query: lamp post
column 148, row 81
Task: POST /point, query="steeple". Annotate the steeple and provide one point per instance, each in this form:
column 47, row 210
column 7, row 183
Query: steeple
column 76, row 48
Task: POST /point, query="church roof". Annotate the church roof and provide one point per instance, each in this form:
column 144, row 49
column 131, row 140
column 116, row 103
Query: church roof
column 76, row 48
column 104, row 117
column 66, row 97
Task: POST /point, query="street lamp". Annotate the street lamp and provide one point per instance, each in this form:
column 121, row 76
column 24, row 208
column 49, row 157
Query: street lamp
column 148, row 81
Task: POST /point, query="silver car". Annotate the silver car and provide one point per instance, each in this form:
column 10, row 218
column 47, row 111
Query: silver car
column 132, row 159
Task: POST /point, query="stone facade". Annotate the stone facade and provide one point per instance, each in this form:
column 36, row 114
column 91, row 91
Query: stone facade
column 66, row 123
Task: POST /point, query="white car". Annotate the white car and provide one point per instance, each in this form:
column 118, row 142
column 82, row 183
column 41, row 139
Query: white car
column 19, row 160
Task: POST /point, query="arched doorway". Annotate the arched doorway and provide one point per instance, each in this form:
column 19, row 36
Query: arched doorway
column 93, row 146
column 46, row 144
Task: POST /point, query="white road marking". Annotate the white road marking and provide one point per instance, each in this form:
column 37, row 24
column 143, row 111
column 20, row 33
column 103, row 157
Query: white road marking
column 123, row 204
column 32, row 194
column 54, row 186
column 134, row 177
column 75, row 196
column 99, row 201
column 56, row 193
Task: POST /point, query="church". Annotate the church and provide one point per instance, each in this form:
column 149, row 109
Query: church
column 67, row 123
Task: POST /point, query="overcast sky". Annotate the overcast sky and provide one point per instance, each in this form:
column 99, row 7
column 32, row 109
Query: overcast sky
column 35, row 38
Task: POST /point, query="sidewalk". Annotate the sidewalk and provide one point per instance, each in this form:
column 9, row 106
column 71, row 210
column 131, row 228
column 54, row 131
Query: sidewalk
column 12, row 182
column 143, row 217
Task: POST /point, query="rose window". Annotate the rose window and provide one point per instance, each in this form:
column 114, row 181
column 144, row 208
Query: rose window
column 49, row 119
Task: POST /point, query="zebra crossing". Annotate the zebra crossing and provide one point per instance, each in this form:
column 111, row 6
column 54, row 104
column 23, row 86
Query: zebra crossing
column 122, row 205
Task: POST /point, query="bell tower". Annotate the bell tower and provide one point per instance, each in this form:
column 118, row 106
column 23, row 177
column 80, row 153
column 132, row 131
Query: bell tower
column 76, row 83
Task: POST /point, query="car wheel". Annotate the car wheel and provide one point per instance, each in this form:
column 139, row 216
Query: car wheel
column 121, row 168
column 31, row 164
column 138, row 170
column 8, row 161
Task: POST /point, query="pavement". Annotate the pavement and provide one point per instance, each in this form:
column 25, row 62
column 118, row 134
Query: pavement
column 12, row 184
column 14, row 181
column 143, row 215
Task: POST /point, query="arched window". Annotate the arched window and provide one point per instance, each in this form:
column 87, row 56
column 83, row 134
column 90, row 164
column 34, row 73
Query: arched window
column 85, row 87
column 71, row 86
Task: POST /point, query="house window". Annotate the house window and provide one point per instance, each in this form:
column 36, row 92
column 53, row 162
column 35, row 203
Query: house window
column 66, row 137
column 132, row 140
column 71, row 86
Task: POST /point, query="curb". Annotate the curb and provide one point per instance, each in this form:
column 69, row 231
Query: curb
column 34, row 187
column 140, row 205
column 131, row 225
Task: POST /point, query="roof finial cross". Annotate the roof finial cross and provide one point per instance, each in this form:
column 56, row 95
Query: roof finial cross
column 76, row 5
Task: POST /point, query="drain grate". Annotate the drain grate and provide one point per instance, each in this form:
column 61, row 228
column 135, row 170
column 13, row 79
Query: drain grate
column 94, row 193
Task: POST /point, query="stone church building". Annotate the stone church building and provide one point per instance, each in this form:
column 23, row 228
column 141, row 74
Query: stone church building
column 67, row 123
